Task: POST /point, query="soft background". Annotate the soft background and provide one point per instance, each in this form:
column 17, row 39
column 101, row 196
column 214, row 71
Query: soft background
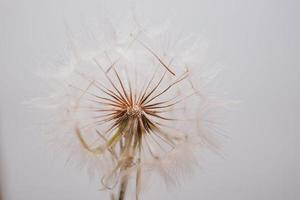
column 256, row 40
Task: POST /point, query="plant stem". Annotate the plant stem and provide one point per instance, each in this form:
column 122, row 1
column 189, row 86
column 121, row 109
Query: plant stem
column 123, row 188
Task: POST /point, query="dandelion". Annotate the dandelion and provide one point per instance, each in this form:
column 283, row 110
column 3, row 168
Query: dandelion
column 130, row 103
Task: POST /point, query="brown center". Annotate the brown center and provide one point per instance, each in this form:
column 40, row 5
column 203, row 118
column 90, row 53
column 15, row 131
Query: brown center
column 134, row 111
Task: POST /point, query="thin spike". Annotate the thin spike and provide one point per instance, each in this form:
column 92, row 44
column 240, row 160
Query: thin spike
column 110, row 81
column 150, row 93
column 156, row 56
column 185, row 75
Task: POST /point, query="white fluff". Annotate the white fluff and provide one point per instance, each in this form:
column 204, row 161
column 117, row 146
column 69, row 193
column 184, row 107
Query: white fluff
column 122, row 44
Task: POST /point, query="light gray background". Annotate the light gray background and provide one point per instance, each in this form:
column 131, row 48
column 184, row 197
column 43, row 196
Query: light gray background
column 257, row 41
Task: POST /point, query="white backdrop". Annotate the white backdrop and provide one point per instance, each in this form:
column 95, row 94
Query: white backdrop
column 256, row 40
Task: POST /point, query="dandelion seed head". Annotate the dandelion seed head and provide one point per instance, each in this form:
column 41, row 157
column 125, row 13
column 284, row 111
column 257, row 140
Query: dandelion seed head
column 131, row 102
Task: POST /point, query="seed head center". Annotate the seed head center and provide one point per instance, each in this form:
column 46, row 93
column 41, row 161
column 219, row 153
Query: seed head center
column 134, row 110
